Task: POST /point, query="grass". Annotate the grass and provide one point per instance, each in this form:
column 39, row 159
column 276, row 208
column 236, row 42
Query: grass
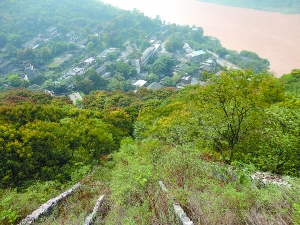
column 209, row 192
column 17, row 204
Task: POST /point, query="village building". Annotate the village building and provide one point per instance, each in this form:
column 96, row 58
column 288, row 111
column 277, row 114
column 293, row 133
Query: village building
column 78, row 70
column 154, row 86
column 51, row 32
column 30, row 72
column 104, row 53
column 71, row 36
column 103, row 68
column 89, row 61
column 75, row 97
column 81, row 44
column 139, row 83
column 6, row 66
column 32, row 43
column 196, row 55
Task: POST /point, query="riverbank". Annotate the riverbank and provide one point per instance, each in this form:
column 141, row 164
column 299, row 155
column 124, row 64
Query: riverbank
column 272, row 35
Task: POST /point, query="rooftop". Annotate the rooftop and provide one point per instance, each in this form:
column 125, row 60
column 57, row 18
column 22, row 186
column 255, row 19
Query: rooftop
column 154, row 86
column 140, row 83
column 200, row 52
column 31, row 43
column 74, row 97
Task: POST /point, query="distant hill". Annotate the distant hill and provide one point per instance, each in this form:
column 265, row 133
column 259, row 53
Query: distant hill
column 287, row 6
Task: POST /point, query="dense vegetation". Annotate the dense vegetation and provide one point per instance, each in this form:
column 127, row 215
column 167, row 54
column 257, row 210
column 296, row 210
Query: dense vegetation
column 203, row 141
column 288, row 6
column 292, row 82
column 240, row 119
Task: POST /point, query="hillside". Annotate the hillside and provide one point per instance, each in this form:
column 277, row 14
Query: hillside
column 186, row 138
column 158, row 104
column 287, row 7
column 98, row 47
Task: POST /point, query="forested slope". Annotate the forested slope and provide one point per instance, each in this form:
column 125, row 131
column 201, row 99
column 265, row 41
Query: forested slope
column 204, row 141
column 187, row 138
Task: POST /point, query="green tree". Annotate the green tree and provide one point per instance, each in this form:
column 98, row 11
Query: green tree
column 152, row 78
column 3, row 39
column 29, row 54
column 163, row 65
column 100, row 83
column 222, row 52
column 169, row 82
column 90, row 46
column 173, row 44
column 123, row 69
column 278, row 150
column 15, row 80
column 10, row 48
column 232, row 107
column 197, row 35
column 86, row 86
column 45, row 54
column 291, row 81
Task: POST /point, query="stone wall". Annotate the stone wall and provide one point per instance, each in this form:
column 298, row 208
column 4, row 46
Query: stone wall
column 179, row 212
column 46, row 208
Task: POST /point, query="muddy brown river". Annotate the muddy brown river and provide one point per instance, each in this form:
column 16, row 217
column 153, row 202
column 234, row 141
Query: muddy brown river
column 272, row 35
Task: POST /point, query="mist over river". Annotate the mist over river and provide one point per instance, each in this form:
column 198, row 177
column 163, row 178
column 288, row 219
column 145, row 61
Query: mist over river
column 272, row 35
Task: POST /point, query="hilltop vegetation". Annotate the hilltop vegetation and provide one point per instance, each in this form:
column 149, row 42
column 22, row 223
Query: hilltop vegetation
column 203, row 140
column 292, row 82
column 288, row 6
column 187, row 138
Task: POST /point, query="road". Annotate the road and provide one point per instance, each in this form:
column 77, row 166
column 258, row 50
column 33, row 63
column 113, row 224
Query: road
column 224, row 62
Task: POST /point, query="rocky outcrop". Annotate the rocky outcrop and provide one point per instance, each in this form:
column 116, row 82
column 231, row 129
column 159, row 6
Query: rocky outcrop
column 263, row 178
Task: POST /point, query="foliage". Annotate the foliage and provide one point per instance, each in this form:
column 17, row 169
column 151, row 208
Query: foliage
column 248, row 60
column 163, row 65
column 173, row 44
column 291, row 82
column 123, row 69
column 43, row 142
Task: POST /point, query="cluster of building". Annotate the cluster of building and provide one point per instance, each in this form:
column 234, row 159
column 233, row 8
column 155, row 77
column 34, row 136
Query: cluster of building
column 156, row 49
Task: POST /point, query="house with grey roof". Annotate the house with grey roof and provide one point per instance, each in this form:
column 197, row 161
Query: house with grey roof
column 147, row 53
column 74, row 97
column 154, row 86
column 32, row 43
column 81, row 44
column 104, row 53
column 71, row 36
column 103, row 69
column 206, row 68
column 196, row 55
column 6, row 66
column 30, row 72
column 51, row 32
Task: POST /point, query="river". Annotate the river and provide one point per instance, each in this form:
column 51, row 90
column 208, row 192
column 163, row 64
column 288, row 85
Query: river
column 271, row 35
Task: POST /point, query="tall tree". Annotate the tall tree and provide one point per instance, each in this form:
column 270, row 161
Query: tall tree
column 231, row 108
column 173, row 44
